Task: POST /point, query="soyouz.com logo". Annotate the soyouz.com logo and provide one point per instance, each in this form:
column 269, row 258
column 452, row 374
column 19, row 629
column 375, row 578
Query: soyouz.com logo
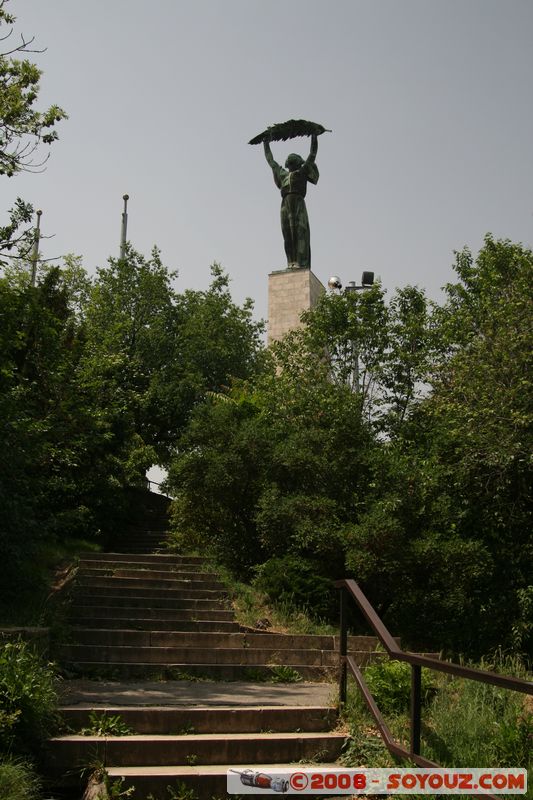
column 412, row 780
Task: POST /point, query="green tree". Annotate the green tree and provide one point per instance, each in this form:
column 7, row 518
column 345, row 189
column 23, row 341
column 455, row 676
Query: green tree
column 155, row 352
column 450, row 512
column 274, row 467
column 215, row 476
column 351, row 329
column 63, row 456
column 481, row 418
column 211, row 340
column 40, row 347
column 381, row 351
column 413, row 476
column 24, row 130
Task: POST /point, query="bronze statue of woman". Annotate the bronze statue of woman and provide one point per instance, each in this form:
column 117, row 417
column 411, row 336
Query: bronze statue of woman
column 293, row 184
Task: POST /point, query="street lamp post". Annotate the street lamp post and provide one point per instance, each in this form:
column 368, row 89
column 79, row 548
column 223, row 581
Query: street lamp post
column 367, row 281
column 124, row 227
column 35, row 253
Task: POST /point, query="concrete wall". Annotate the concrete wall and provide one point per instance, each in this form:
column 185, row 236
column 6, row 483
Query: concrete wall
column 290, row 291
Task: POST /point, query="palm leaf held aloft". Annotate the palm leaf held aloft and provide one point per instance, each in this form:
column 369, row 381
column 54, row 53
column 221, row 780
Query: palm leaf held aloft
column 289, row 130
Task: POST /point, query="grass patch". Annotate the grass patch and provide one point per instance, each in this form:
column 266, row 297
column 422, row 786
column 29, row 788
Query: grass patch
column 253, row 609
column 464, row 723
column 473, row 724
column 18, row 780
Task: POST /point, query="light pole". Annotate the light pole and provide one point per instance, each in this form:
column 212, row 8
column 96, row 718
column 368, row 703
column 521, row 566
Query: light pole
column 367, row 281
column 35, row 253
column 124, row 227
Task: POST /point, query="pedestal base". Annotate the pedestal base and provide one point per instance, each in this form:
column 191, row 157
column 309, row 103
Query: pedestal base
column 290, row 292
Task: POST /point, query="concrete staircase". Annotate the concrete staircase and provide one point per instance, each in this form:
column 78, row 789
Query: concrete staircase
column 145, row 524
column 156, row 626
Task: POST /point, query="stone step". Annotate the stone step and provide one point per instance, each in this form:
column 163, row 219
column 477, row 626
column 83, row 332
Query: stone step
column 145, row 550
column 171, row 572
column 156, row 638
column 208, row 719
column 155, row 545
column 180, row 671
column 156, row 558
column 188, row 694
column 139, row 544
column 205, row 781
column 141, row 582
column 175, row 625
column 125, row 598
column 142, row 612
column 149, row 524
column 208, row 749
column 196, row 655
column 136, row 567
column 151, row 550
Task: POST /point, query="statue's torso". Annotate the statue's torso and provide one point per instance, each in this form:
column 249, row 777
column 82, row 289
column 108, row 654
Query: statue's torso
column 293, row 182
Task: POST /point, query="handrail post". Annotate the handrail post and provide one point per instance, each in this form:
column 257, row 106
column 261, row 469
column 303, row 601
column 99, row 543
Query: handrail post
column 343, row 648
column 416, row 705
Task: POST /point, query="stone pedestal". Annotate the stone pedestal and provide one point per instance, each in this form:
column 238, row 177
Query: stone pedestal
column 290, row 291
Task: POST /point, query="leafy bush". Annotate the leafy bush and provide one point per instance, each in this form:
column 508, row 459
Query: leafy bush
column 390, row 683
column 28, row 698
column 18, row 781
column 296, row 581
column 282, row 673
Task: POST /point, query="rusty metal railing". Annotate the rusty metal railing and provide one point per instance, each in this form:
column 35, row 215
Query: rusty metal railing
column 350, row 589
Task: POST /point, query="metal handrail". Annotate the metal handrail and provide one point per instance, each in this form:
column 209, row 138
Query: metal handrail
column 349, row 588
column 159, row 485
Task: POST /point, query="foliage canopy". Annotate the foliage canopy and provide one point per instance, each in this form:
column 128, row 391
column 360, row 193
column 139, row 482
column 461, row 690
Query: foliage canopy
column 387, row 441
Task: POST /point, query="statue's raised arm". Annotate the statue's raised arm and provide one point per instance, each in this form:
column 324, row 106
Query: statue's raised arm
column 310, row 166
column 277, row 171
column 292, row 181
column 268, row 154
column 313, row 149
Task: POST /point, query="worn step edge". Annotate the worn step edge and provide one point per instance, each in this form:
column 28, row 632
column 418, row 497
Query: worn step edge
column 156, row 638
column 172, row 614
column 150, row 574
column 238, row 656
column 210, row 748
column 195, row 739
column 136, row 558
column 167, row 625
column 206, row 781
column 176, row 603
column 146, row 588
column 208, row 719
column 119, row 670
column 162, row 564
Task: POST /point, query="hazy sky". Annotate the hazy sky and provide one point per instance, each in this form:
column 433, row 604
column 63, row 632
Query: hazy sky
column 430, row 103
